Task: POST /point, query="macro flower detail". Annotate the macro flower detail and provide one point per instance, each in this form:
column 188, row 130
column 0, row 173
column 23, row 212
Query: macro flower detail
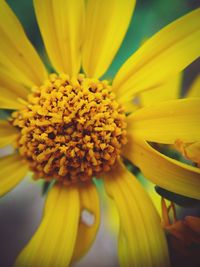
column 72, row 127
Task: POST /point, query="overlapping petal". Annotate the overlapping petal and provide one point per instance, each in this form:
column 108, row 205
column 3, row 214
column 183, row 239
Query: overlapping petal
column 17, row 55
column 167, row 122
column 87, row 231
column 164, row 55
column 167, row 91
column 61, row 24
column 162, row 170
column 12, row 171
column 54, row 241
column 141, row 239
column 106, row 25
column 7, row 133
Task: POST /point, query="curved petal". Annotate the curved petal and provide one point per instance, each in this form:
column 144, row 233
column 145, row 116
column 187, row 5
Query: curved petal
column 168, row 173
column 167, row 122
column 190, row 150
column 141, row 240
column 194, row 90
column 17, row 55
column 8, row 133
column 167, row 91
column 61, row 24
column 53, row 242
column 106, row 26
column 168, row 52
column 89, row 200
column 12, row 171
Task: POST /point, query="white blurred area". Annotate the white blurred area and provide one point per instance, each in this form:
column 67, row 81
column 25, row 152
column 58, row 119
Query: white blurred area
column 20, row 214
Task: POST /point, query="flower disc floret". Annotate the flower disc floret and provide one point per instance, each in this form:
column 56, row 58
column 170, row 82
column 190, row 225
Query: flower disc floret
column 71, row 129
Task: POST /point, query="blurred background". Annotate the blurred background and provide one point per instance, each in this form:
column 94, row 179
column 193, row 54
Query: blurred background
column 21, row 209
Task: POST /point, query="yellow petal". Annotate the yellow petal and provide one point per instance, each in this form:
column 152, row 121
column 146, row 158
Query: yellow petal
column 168, row 121
column 17, row 55
column 53, row 242
column 106, row 26
column 7, row 133
column 167, row 91
column 10, row 84
column 11, row 91
column 194, row 90
column 161, row 57
column 89, row 200
column 130, row 107
column 12, row 171
column 168, row 173
column 141, row 238
column 61, row 24
column 112, row 222
column 190, row 150
column 9, row 100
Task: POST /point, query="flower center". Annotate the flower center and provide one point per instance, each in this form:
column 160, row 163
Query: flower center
column 71, row 129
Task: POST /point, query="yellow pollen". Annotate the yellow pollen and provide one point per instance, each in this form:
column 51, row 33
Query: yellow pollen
column 71, row 129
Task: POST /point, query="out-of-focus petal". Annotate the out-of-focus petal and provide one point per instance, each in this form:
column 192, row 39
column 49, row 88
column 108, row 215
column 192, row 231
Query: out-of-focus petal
column 194, row 90
column 190, row 150
column 54, row 241
column 161, row 57
column 8, row 133
column 106, row 26
column 167, row 91
column 17, row 55
column 12, row 171
column 90, row 220
column 141, row 238
column 61, row 24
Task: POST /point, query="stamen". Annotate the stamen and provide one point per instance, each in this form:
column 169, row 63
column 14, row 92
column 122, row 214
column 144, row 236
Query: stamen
column 71, row 129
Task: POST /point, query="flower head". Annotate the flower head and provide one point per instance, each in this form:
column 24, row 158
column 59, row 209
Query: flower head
column 68, row 127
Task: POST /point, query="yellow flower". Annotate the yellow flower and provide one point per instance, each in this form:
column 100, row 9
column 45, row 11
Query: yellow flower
column 69, row 127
